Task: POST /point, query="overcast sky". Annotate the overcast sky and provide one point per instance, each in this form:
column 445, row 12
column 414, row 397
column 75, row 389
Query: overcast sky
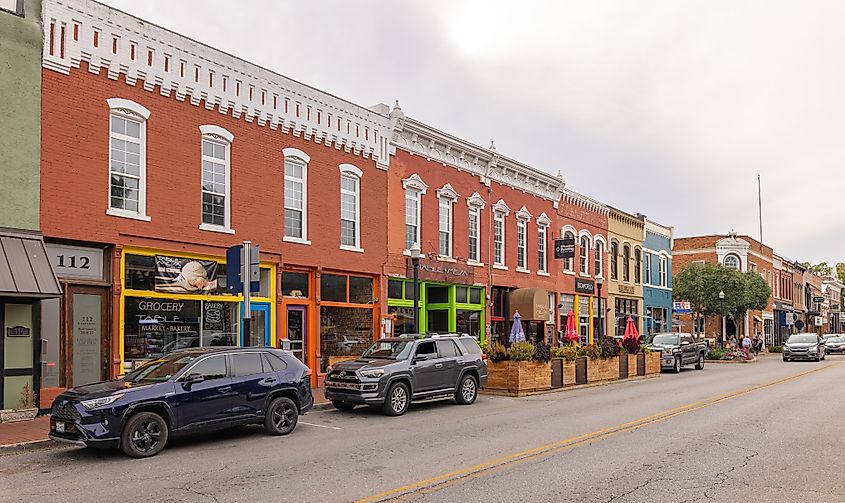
column 666, row 108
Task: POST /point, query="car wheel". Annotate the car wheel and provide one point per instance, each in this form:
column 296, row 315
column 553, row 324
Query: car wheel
column 144, row 435
column 467, row 391
column 344, row 406
column 700, row 363
column 785, row 359
column 676, row 367
column 281, row 416
column 398, row 400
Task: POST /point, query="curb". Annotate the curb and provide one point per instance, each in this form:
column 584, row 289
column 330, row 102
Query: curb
column 731, row 362
column 567, row 388
column 26, row 446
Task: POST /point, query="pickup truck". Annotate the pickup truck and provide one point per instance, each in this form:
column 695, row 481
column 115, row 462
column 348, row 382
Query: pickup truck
column 678, row 349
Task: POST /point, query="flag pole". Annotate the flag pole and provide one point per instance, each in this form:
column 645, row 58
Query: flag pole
column 760, row 211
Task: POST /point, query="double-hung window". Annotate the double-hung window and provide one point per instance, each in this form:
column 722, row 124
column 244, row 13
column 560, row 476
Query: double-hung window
column 445, row 227
column 647, row 268
column 568, row 263
column 614, row 260
column 584, row 255
column 542, row 266
column 216, row 179
column 637, row 265
column 474, row 243
column 599, row 259
column 499, row 239
column 664, row 273
column 520, row 244
column 127, row 159
column 296, row 195
column 350, row 207
column 412, row 218
column 626, row 263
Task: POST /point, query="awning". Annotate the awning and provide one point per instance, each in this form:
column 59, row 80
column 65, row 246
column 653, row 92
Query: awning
column 25, row 269
column 758, row 318
column 532, row 304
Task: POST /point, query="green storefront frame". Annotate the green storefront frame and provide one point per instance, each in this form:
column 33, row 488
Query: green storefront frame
column 460, row 309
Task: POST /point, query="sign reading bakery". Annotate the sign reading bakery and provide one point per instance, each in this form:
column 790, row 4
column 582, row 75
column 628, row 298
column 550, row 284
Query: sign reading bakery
column 185, row 275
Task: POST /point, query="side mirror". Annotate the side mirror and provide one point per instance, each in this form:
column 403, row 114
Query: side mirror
column 193, row 379
column 421, row 358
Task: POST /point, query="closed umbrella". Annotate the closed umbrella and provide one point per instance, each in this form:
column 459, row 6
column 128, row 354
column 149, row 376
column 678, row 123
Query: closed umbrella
column 571, row 333
column 517, row 334
column 631, row 329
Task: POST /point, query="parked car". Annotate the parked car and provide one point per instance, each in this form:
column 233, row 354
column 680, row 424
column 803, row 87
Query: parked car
column 804, row 346
column 835, row 344
column 679, row 349
column 186, row 391
column 395, row 371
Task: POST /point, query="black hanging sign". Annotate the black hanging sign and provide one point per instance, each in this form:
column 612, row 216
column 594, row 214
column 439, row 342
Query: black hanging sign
column 565, row 248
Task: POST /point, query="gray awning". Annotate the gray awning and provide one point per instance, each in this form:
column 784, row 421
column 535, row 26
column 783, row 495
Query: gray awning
column 25, row 269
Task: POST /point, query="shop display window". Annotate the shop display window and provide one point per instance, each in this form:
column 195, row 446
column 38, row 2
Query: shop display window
column 344, row 332
column 360, row 290
column 395, row 289
column 295, row 284
column 468, row 322
column 437, row 294
column 140, row 274
column 404, row 322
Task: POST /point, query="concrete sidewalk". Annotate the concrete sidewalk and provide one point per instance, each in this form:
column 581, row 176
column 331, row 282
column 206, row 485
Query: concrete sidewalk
column 35, row 431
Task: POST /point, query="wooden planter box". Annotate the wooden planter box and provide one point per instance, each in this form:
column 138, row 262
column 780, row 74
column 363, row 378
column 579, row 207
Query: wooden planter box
column 568, row 373
column 518, row 377
column 632, row 365
column 640, row 364
column 652, row 363
column 602, row 370
column 581, row 370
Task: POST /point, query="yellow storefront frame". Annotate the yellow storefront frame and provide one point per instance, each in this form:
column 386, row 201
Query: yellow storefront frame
column 175, row 296
column 576, row 311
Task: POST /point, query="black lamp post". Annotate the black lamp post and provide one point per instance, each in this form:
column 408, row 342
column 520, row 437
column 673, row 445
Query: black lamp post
column 599, row 283
column 722, row 337
column 415, row 261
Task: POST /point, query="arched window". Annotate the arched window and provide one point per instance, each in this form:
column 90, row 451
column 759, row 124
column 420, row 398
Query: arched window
column 584, row 255
column 637, row 264
column 626, row 263
column 568, row 262
column 599, row 262
column 614, row 260
column 731, row 262
column 127, row 159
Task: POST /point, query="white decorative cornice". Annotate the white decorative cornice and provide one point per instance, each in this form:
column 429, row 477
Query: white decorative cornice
column 475, row 201
column 486, row 163
column 296, row 153
column 576, row 199
column 216, row 133
column 663, row 231
column 501, row 207
column 414, row 182
column 447, row 192
column 626, row 218
column 523, row 214
column 350, row 169
column 165, row 62
column 543, row 219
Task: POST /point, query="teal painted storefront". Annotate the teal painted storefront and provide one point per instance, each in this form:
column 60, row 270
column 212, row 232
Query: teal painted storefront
column 657, row 281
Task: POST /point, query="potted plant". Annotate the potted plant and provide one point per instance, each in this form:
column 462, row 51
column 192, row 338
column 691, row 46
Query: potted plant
column 609, row 362
column 566, row 357
column 652, row 361
column 26, row 409
column 519, row 369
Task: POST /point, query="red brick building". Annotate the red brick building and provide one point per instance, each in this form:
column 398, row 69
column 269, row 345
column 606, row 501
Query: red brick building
column 158, row 154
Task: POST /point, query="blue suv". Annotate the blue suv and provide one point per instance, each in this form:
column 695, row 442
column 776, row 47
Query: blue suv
column 186, row 391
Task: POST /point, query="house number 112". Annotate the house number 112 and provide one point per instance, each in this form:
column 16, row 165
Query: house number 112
column 84, row 262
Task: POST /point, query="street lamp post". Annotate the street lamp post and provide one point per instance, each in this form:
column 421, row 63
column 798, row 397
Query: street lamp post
column 415, row 261
column 599, row 283
column 722, row 337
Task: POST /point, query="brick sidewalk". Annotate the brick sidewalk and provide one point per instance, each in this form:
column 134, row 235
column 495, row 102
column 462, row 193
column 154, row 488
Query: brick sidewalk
column 38, row 428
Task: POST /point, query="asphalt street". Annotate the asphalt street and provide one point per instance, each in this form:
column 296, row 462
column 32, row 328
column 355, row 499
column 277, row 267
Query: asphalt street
column 768, row 431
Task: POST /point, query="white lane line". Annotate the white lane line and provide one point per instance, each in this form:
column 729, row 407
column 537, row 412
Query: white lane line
column 320, row 425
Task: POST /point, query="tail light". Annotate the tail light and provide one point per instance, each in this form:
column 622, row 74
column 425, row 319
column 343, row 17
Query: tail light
column 484, row 357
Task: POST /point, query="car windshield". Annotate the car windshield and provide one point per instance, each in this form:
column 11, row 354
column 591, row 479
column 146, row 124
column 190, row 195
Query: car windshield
column 664, row 339
column 390, row 350
column 161, row 369
column 834, row 339
column 802, row 338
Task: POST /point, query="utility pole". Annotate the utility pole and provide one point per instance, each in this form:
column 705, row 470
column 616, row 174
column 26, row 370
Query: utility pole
column 760, row 211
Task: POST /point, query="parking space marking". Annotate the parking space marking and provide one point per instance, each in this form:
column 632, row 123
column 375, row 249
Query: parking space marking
column 320, row 425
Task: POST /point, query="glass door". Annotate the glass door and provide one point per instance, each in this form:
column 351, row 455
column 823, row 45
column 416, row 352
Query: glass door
column 16, row 356
column 296, row 331
column 260, row 335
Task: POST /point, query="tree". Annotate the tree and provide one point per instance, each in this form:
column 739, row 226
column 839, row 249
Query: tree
column 822, row 269
column 755, row 295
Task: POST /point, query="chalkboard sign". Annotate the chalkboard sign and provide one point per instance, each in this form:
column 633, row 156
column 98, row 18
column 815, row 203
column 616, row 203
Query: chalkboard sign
column 565, row 248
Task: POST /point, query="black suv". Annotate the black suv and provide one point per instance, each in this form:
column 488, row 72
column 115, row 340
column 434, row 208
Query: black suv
column 396, row 371
column 185, row 391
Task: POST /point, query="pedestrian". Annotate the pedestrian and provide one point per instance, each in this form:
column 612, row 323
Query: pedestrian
column 746, row 346
column 758, row 345
column 732, row 342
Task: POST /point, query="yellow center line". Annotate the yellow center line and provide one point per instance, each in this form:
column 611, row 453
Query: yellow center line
column 441, row 481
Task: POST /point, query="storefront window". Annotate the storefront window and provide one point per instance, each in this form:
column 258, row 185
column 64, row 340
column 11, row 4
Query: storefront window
column 140, row 272
column 438, row 320
column 175, row 275
column 295, row 284
column 404, row 322
column 154, row 327
column 475, row 295
column 626, row 308
column 469, row 322
column 394, row 289
column 360, row 290
column 659, row 318
column 461, row 295
column 344, row 332
column 333, row 288
column 437, row 294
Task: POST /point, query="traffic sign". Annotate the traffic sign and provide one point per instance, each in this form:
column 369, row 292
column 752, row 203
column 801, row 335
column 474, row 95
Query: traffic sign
column 234, row 261
column 818, row 298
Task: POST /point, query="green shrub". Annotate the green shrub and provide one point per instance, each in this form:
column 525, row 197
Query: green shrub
column 557, row 352
column 646, row 350
column 543, row 352
column 609, row 347
column 775, row 349
column 497, row 352
column 717, row 354
column 591, row 351
column 521, row 352
column 568, row 352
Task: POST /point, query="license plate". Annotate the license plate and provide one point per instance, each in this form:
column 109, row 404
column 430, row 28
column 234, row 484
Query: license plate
column 60, row 427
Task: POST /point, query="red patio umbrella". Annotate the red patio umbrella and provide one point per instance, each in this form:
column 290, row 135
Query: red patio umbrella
column 571, row 333
column 631, row 329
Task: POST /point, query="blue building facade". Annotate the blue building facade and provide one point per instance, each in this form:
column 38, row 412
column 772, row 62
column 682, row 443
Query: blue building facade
column 657, row 278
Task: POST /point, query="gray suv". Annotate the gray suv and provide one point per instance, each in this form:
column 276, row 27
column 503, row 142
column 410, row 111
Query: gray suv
column 398, row 370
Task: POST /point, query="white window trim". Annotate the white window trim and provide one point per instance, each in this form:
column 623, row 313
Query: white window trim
column 613, row 260
column 589, row 255
column 474, row 209
column 350, row 170
column 419, row 194
column 304, row 159
column 134, row 111
column 571, row 268
column 646, row 268
column 599, row 240
column 626, row 263
column 217, row 134
column 522, row 222
column 664, row 272
column 448, row 195
column 544, row 227
column 638, row 265
column 503, row 215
